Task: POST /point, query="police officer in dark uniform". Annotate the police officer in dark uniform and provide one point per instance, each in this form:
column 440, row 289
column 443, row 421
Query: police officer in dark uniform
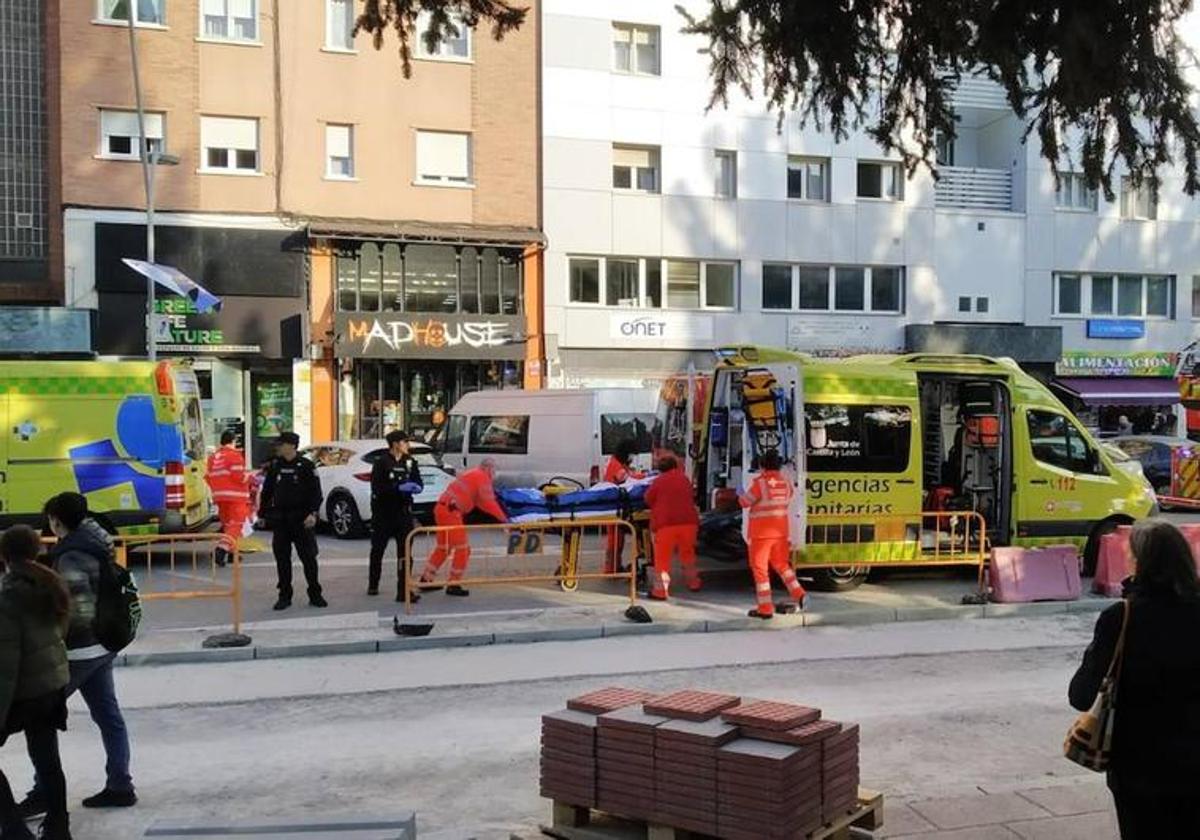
column 395, row 479
column 290, row 499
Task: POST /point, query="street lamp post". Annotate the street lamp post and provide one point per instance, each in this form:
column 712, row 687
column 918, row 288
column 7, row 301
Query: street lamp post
column 149, row 159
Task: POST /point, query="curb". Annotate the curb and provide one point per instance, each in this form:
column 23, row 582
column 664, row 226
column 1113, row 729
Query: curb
column 854, row 617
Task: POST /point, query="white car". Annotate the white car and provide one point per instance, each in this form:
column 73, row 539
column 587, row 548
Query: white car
column 344, row 467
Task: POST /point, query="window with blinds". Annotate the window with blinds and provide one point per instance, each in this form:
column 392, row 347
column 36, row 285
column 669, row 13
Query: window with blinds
column 229, row 20
column 229, row 144
column 443, row 157
column 339, row 151
column 119, row 133
column 635, row 168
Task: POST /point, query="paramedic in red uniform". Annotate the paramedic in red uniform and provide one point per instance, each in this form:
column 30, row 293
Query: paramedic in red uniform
column 767, row 503
column 226, row 477
column 618, row 470
column 470, row 491
column 674, row 522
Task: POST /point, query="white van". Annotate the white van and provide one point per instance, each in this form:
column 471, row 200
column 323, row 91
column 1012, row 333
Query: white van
column 537, row 436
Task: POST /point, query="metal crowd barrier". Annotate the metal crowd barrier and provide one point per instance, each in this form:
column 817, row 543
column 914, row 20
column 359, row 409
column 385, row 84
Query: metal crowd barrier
column 564, row 552
column 931, row 538
column 176, row 555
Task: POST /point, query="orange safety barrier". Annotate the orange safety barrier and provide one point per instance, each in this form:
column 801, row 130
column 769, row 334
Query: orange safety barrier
column 180, row 556
column 525, row 552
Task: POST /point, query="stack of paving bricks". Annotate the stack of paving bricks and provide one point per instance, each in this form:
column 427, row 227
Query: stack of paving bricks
column 708, row 763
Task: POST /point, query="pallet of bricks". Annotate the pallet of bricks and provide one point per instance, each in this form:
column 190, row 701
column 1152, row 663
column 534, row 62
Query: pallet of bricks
column 695, row 764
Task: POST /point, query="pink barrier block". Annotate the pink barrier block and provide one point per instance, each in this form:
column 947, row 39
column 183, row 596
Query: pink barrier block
column 1114, row 564
column 1020, row 575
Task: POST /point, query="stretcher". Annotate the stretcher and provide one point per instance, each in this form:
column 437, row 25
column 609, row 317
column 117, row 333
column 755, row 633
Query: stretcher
column 578, row 508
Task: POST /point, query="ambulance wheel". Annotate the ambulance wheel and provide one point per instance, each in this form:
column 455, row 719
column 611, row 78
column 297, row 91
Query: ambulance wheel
column 343, row 517
column 1091, row 552
column 839, row 579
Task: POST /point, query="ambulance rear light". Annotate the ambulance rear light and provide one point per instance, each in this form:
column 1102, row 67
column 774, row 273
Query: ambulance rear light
column 594, row 474
column 164, row 379
column 175, row 491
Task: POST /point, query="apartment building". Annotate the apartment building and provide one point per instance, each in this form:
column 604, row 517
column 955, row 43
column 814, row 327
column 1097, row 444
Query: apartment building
column 374, row 238
column 672, row 230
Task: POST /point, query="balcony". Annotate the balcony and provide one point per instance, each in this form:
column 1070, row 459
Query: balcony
column 975, row 90
column 972, row 188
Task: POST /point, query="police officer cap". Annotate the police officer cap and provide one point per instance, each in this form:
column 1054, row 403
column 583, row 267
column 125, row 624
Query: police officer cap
column 396, row 436
column 289, row 437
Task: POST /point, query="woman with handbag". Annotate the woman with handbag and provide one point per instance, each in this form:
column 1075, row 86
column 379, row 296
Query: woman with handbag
column 1140, row 678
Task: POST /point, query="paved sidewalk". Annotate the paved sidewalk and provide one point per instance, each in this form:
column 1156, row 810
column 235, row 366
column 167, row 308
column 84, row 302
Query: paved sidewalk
column 1080, row 809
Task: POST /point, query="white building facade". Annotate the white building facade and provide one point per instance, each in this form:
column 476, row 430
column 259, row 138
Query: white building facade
column 673, row 230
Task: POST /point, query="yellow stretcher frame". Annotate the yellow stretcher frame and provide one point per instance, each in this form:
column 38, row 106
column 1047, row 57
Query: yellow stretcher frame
column 566, row 575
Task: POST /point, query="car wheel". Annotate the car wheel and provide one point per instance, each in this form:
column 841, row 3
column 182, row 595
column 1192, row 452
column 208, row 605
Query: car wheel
column 839, row 579
column 343, row 517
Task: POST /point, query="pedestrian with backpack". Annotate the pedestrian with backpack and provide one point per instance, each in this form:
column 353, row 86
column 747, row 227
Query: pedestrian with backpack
column 83, row 557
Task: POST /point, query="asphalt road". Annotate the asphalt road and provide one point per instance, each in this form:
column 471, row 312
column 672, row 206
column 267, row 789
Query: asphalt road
column 945, row 707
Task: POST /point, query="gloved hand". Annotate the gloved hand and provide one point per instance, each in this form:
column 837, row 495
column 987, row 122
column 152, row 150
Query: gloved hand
column 409, row 487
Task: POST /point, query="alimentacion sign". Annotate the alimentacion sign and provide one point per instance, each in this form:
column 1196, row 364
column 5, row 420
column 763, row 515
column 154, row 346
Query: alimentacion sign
column 1098, row 363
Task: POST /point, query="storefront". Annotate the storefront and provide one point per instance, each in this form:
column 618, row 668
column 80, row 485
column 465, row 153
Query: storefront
column 417, row 324
column 1121, row 393
column 248, row 357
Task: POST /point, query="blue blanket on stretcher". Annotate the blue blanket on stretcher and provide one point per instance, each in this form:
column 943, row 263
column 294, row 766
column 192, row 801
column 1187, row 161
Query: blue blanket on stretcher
column 525, row 504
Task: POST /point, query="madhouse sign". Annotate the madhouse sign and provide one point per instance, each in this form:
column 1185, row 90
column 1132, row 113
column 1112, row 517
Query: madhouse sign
column 429, row 335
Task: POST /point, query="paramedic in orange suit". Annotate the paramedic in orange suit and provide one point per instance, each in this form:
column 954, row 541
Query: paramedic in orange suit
column 767, row 503
column 674, row 522
column 473, row 490
column 226, row 477
column 618, row 470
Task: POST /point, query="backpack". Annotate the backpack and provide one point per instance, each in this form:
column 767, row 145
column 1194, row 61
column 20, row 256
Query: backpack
column 118, row 607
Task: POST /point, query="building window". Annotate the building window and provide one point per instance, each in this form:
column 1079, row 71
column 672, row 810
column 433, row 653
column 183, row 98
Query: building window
column 119, row 133
column 1115, row 295
column 635, row 49
column 964, row 303
column 887, row 288
column 443, row 157
column 726, row 174
column 230, row 144
column 1138, row 202
column 808, row 178
column 584, row 280
column 880, row 180
column 1068, row 294
column 635, row 168
column 776, row 286
column 638, row 282
column 982, row 304
column 1196, row 295
column 229, row 20
column 148, row 11
column 621, row 282
column 848, row 290
column 425, row 277
column 720, row 286
column 814, row 287
column 944, row 149
column 339, row 151
column 339, row 24
column 1073, row 193
column 452, row 47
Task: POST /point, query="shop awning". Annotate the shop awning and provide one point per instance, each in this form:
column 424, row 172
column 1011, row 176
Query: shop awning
column 415, row 231
column 1120, row 390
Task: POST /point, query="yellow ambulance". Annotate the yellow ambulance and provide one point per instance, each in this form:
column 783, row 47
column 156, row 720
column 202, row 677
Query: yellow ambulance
column 877, row 442
column 127, row 435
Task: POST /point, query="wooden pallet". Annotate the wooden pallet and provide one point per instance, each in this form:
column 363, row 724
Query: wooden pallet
column 571, row 822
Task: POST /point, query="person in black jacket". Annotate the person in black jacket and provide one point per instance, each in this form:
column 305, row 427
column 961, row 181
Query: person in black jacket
column 290, row 498
column 395, row 479
column 1156, row 734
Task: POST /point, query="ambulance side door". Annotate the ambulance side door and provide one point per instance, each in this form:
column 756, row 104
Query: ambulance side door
column 5, row 432
column 1063, row 486
column 791, row 385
